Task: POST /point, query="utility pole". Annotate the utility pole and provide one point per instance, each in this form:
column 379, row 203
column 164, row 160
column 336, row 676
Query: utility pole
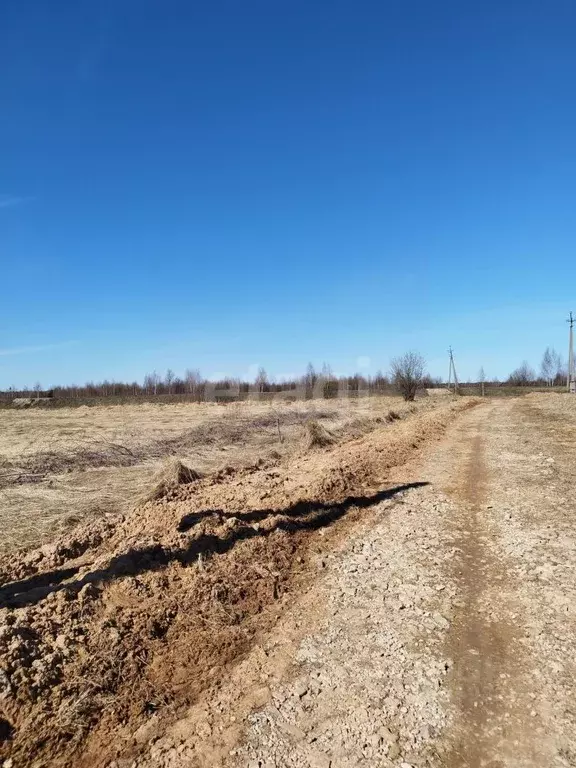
column 570, row 379
column 452, row 372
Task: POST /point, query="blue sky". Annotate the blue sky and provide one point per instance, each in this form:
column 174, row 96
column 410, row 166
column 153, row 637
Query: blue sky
column 224, row 185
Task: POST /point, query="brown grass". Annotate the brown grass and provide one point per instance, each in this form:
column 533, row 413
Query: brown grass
column 69, row 464
column 317, row 436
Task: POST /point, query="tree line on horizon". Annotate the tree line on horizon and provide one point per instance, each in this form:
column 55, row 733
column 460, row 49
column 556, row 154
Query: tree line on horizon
column 322, row 383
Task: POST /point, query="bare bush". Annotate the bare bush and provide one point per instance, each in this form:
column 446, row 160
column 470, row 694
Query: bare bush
column 407, row 373
column 522, row 376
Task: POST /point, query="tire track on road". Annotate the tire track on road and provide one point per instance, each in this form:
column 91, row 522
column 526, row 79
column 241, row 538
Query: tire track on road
column 490, row 729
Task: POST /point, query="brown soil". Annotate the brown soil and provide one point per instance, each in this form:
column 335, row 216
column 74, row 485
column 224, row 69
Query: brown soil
column 112, row 631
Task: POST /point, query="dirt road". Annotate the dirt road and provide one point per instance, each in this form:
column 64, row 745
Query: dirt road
column 441, row 632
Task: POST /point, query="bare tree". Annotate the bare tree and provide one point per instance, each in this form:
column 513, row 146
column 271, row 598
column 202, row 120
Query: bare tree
column 151, row 381
column 559, row 371
column 261, row 380
column 310, row 376
column 37, row 389
column 522, row 376
column 192, row 379
column 328, row 382
column 407, row 373
column 169, row 380
column 482, row 379
column 379, row 381
column 547, row 366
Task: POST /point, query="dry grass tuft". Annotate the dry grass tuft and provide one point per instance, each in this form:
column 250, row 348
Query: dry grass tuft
column 317, row 436
column 172, row 474
column 392, row 416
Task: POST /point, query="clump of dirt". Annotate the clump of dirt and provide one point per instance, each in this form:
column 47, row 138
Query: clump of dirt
column 317, row 436
column 169, row 477
column 118, row 626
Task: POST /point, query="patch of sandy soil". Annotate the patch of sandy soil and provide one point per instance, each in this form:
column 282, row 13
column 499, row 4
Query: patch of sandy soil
column 109, row 635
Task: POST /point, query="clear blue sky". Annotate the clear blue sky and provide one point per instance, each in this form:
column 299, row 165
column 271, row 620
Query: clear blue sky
column 228, row 184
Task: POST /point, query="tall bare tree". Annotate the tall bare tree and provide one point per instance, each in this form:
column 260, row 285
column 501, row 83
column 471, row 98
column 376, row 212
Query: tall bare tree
column 547, row 366
column 558, row 368
column 261, row 380
column 482, row 380
column 169, row 380
column 310, row 377
column 192, row 378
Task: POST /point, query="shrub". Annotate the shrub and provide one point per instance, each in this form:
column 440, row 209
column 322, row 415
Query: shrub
column 407, row 374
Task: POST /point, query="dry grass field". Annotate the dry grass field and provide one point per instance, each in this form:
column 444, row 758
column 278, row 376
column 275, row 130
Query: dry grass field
column 58, row 467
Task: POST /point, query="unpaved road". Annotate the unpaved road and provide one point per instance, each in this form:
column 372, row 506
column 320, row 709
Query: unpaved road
column 441, row 631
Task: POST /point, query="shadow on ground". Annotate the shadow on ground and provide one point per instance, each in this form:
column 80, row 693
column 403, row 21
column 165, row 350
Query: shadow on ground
column 303, row 515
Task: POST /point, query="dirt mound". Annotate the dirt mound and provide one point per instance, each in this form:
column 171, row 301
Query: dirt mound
column 111, row 632
column 169, row 477
column 317, row 436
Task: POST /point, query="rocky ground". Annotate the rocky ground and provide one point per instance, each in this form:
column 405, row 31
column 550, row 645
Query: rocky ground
column 369, row 683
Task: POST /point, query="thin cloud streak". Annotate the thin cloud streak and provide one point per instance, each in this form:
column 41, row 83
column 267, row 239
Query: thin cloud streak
column 11, row 201
column 39, row 348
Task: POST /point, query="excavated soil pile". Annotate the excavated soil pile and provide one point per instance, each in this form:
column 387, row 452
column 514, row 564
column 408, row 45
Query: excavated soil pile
column 169, row 477
column 114, row 629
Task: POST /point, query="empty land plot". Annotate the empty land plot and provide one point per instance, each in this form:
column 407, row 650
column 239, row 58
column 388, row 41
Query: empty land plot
column 129, row 620
column 58, row 467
